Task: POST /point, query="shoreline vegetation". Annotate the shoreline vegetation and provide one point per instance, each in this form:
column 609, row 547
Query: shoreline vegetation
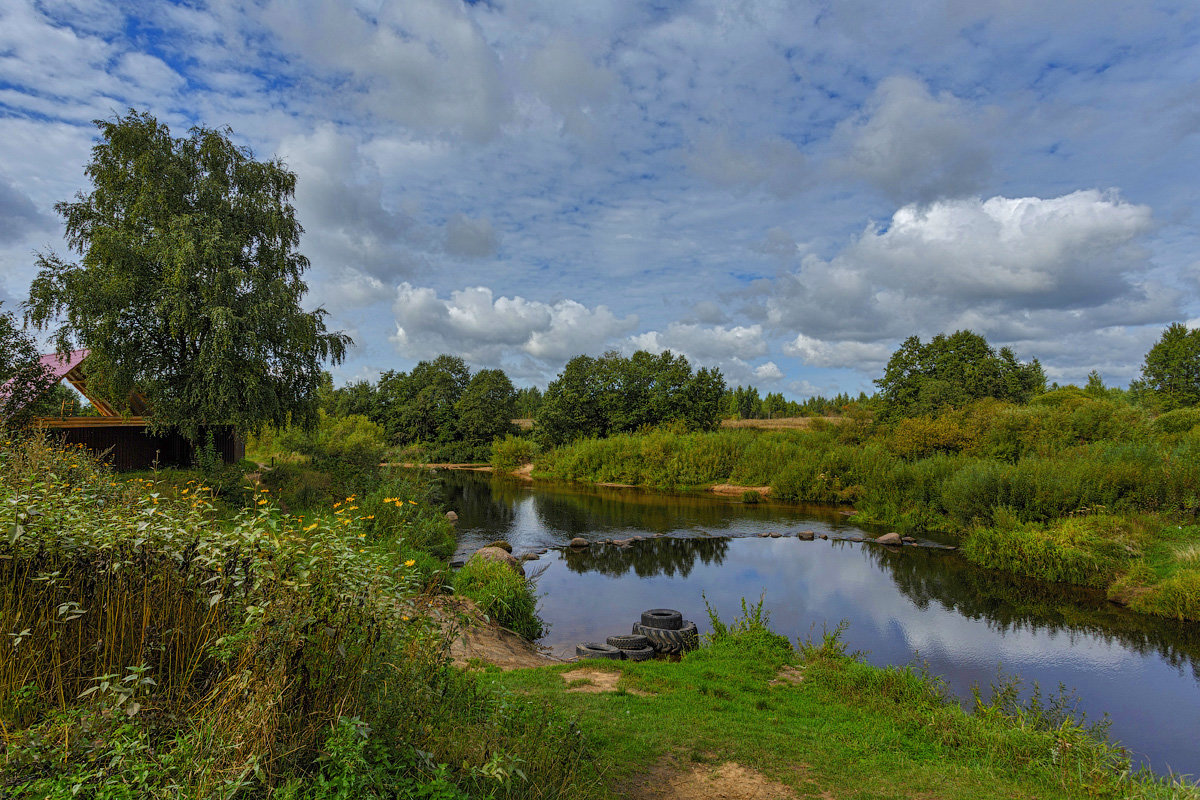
column 1069, row 488
column 167, row 642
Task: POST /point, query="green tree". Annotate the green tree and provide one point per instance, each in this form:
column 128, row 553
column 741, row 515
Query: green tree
column 572, row 404
column 485, row 410
column 1171, row 371
column 420, row 405
column 23, row 378
column 189, row 284
column 952, row 371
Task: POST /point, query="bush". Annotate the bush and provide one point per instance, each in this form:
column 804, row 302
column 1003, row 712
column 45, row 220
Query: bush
column 1088, row 551
column 501, row 594
column 512, row 452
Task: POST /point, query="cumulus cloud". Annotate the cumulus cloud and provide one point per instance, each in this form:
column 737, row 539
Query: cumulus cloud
column 471, row 238
column 486, row 329
column 703, row 343
column 915, row 146
column 1073, row 259
column 424, row 64
column 771, row 163
column 572, row 85
column 19, row 217
column 865, row 356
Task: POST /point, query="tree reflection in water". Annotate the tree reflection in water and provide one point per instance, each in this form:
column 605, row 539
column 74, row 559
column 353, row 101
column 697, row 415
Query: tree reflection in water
column 1007, row 602
column 661, row 556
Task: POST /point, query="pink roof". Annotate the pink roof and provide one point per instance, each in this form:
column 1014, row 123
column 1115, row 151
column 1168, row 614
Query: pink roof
column 59, row 366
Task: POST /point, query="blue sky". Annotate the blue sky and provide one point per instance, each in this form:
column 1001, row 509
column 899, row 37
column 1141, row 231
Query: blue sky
column 784, row 190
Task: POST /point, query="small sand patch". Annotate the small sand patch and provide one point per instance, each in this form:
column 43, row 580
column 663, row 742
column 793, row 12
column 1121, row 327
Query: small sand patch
column 792, row 675
column 729, row 781
column 597, row 681
column 734, row 489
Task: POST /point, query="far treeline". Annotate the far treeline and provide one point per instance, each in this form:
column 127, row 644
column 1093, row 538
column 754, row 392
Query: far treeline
column 442, row 412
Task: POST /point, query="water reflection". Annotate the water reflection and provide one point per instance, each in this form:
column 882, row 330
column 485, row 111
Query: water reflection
column 660, row 556
column 1008, row 603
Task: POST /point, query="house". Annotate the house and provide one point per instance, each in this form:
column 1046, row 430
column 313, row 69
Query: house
column 123, row 441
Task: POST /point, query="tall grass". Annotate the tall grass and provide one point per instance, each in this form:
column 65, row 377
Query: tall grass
column 158, row 649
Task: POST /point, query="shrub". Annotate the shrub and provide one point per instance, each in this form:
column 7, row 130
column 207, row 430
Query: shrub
column 512, row 452
column 501, row 594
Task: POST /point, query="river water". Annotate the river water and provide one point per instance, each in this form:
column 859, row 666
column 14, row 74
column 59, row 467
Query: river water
column 908, row 606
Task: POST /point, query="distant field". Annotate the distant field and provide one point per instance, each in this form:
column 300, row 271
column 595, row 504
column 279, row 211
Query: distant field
column 782, row 423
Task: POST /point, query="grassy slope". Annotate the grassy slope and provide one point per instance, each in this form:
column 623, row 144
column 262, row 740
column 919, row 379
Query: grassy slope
column 846, row 729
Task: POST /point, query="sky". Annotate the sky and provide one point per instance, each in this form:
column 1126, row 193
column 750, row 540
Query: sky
column 783, row 190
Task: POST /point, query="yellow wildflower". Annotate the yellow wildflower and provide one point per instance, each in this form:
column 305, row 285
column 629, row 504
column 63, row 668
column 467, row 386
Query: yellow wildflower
column 409, row 563
column 414, row 502
column 310, row 527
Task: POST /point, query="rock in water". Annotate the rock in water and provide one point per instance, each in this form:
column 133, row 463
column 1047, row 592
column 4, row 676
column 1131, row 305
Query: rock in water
column 805, row 536
column 579, row 541
column 450, row 515
column 889, row 538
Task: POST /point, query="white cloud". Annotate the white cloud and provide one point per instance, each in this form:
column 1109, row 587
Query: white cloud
column 915, row 146
column 486, row 329
column 865, row 356
column 772, row 163
column 471, row 238
column 703, row 343
column 1076, row 256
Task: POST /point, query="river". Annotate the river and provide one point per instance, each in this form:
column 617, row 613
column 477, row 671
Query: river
column 901, row 606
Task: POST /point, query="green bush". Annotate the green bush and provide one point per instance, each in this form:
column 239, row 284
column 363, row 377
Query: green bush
column 512, row 452
column 501, row 594
column 1088, row 551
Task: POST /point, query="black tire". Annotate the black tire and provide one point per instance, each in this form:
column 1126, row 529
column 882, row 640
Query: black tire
column 641, row 654
column 665, row 619
column 597, row 650
column 671, row 642
column 628, row 642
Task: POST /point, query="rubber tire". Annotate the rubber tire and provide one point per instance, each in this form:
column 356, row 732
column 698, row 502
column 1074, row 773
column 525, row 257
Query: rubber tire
column 597, row 650
column 628, row 642
column 641, row 654
column 665, row 619
column 671, row 642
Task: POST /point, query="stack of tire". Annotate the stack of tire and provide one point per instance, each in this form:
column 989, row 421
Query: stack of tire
column 669, row 633
column 662, row 630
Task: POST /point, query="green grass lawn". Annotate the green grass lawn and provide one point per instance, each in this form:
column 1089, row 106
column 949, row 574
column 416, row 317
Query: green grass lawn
column 838, row 728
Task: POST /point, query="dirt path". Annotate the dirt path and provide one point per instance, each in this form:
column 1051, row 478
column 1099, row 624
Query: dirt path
column 671, row 780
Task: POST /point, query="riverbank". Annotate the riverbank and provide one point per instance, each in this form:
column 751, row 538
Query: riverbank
column 749, row 717
column 1113, row 509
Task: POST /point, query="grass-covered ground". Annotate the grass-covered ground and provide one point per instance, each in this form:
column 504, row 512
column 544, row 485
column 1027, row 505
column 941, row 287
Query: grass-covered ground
column 817, row 720
column 1073, row 488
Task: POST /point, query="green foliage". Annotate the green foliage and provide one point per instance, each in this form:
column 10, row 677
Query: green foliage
column 1171, row 371
column 486, row 409
column 189, row 285
column 952, row 371
column 23, row 379
column 348, row 449
column 512, row 452
column 163, row 652
column 614, row 394
column 1087, row 551
column 501, row 594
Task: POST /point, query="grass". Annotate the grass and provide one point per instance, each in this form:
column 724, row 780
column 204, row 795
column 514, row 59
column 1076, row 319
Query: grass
column 502, row 594
column 845, row 729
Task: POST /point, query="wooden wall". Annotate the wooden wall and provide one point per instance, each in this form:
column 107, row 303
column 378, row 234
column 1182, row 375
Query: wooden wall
column 131, row 447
